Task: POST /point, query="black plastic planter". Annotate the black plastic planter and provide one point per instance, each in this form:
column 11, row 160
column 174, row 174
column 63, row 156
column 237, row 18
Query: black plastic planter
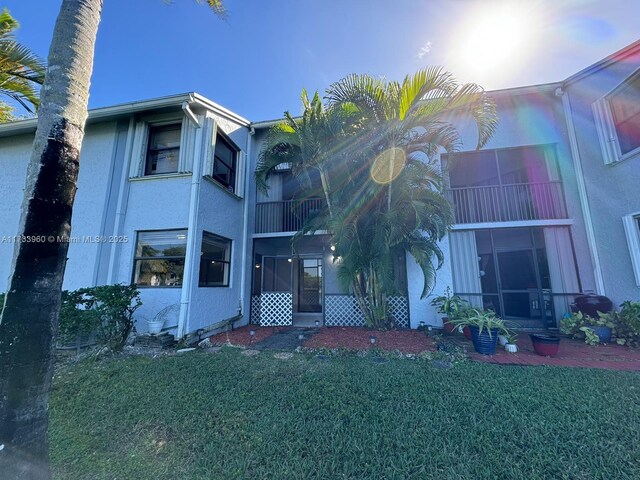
column 483, row 342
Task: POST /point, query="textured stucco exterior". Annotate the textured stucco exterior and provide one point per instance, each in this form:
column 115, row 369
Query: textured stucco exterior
column 612, row 190
column 115, row 201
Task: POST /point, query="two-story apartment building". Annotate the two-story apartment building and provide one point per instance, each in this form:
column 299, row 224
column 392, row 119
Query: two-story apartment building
column 167, row 200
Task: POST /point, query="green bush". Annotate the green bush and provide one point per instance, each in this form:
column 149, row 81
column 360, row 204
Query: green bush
column 107, row 310
column 628, row 324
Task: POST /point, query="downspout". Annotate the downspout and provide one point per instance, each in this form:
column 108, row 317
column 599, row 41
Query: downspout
column 192, row 236
column 245, row 229
column 121, row 209
column 582, row 190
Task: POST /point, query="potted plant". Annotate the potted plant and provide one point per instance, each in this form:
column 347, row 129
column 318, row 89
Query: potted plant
column 593, row 330
column 449, row 305
column 511, row 339
column 545, row 345
column 155, row 325
column 484, row 326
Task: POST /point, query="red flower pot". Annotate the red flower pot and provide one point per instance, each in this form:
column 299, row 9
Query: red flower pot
column 448, row 327
column 545, row 345
column 467, row 332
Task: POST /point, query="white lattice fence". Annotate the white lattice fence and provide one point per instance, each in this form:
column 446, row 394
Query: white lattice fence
column 343, row 311
column 276, row 309
column 399, row 310
column 255, row 309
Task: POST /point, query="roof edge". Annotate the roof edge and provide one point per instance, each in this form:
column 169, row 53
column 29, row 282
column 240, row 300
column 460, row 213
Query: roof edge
column 28, row 125
column 605, row 62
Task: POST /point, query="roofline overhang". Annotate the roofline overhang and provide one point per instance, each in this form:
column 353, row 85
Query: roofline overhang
column 115, row 112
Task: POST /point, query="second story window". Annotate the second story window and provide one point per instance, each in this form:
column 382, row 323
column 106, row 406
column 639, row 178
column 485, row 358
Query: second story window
column 224, row 163
column 625, row 110
column 163, row 149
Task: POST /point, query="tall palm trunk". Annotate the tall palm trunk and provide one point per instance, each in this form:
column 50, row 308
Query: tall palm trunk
column 30, row 318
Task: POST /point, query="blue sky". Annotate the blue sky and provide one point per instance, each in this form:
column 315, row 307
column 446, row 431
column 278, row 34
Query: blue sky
column 257, row 62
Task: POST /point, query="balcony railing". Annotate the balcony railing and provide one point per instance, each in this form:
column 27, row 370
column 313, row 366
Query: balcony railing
column 285, row 216
column 507, row 203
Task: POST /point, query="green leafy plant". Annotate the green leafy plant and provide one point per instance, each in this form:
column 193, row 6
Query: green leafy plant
column 580, row 326
column 483, row 319
column 628, row 324
column 106, row 310
column 449, row 304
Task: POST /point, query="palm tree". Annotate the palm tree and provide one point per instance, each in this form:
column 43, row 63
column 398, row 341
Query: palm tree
column 20, row 70
column 382, row 183
column 29, row 321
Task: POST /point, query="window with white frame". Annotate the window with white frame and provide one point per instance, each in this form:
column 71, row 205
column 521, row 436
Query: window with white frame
column 225, row 162
column 159, row 258
column 215, row 261
column 163, row 149
column 617, row 116
column 632, row 230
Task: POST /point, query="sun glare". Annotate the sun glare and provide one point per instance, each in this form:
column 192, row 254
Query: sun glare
column 494, row 40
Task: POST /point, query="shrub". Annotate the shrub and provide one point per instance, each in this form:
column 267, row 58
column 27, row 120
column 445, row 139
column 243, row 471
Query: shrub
column 628, row 324
column 108, row 310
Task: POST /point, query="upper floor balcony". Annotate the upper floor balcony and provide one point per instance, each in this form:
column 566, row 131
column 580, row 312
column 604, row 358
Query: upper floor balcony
column 508, row 202
column 286, row 215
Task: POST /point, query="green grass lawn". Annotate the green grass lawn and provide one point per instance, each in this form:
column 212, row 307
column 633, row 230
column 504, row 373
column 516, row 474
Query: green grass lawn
column 219, row 416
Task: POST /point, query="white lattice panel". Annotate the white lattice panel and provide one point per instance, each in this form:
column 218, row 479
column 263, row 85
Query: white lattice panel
column 343, row 311
column 276, row 309
column 399, row 310
column 255, row 309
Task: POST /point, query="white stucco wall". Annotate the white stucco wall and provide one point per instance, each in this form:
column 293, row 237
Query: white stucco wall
column 612, row 190
column 95, row 158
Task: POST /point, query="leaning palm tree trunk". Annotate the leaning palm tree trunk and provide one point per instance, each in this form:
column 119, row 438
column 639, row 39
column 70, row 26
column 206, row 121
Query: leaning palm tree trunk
column 29, row 321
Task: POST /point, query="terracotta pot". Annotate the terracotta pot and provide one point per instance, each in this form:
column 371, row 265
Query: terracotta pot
column 448, row 327
column 467, row 332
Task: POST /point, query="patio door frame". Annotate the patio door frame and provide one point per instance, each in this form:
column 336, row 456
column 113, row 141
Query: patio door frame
column 536, row 267
column 299, row 271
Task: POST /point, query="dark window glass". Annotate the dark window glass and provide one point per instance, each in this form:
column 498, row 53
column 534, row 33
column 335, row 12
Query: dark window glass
column 159, row 260
column 625, row 106
column 224, row 163
column 215, row 261
column 163, row 150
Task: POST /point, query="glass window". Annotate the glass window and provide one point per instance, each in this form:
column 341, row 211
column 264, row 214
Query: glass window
column 215, row 261
column 163, row 150
column 224, row 163
column 626, row 115
column 277, row 274
column 159, row 259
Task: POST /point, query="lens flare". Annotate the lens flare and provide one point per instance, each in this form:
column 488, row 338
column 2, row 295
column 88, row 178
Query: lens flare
column 388, row 165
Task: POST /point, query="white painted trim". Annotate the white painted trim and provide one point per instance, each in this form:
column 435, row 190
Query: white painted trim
column 287, row 234
column 162, row 176
column 192, row 254
column 121, row 209
column 514, row 224
column 582, row 191
column 632, row 231
column 245, row 226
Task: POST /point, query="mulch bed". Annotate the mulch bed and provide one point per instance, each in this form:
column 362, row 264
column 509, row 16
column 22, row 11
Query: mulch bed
column 355, row 338
column 240, row 337
column 572, row 353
